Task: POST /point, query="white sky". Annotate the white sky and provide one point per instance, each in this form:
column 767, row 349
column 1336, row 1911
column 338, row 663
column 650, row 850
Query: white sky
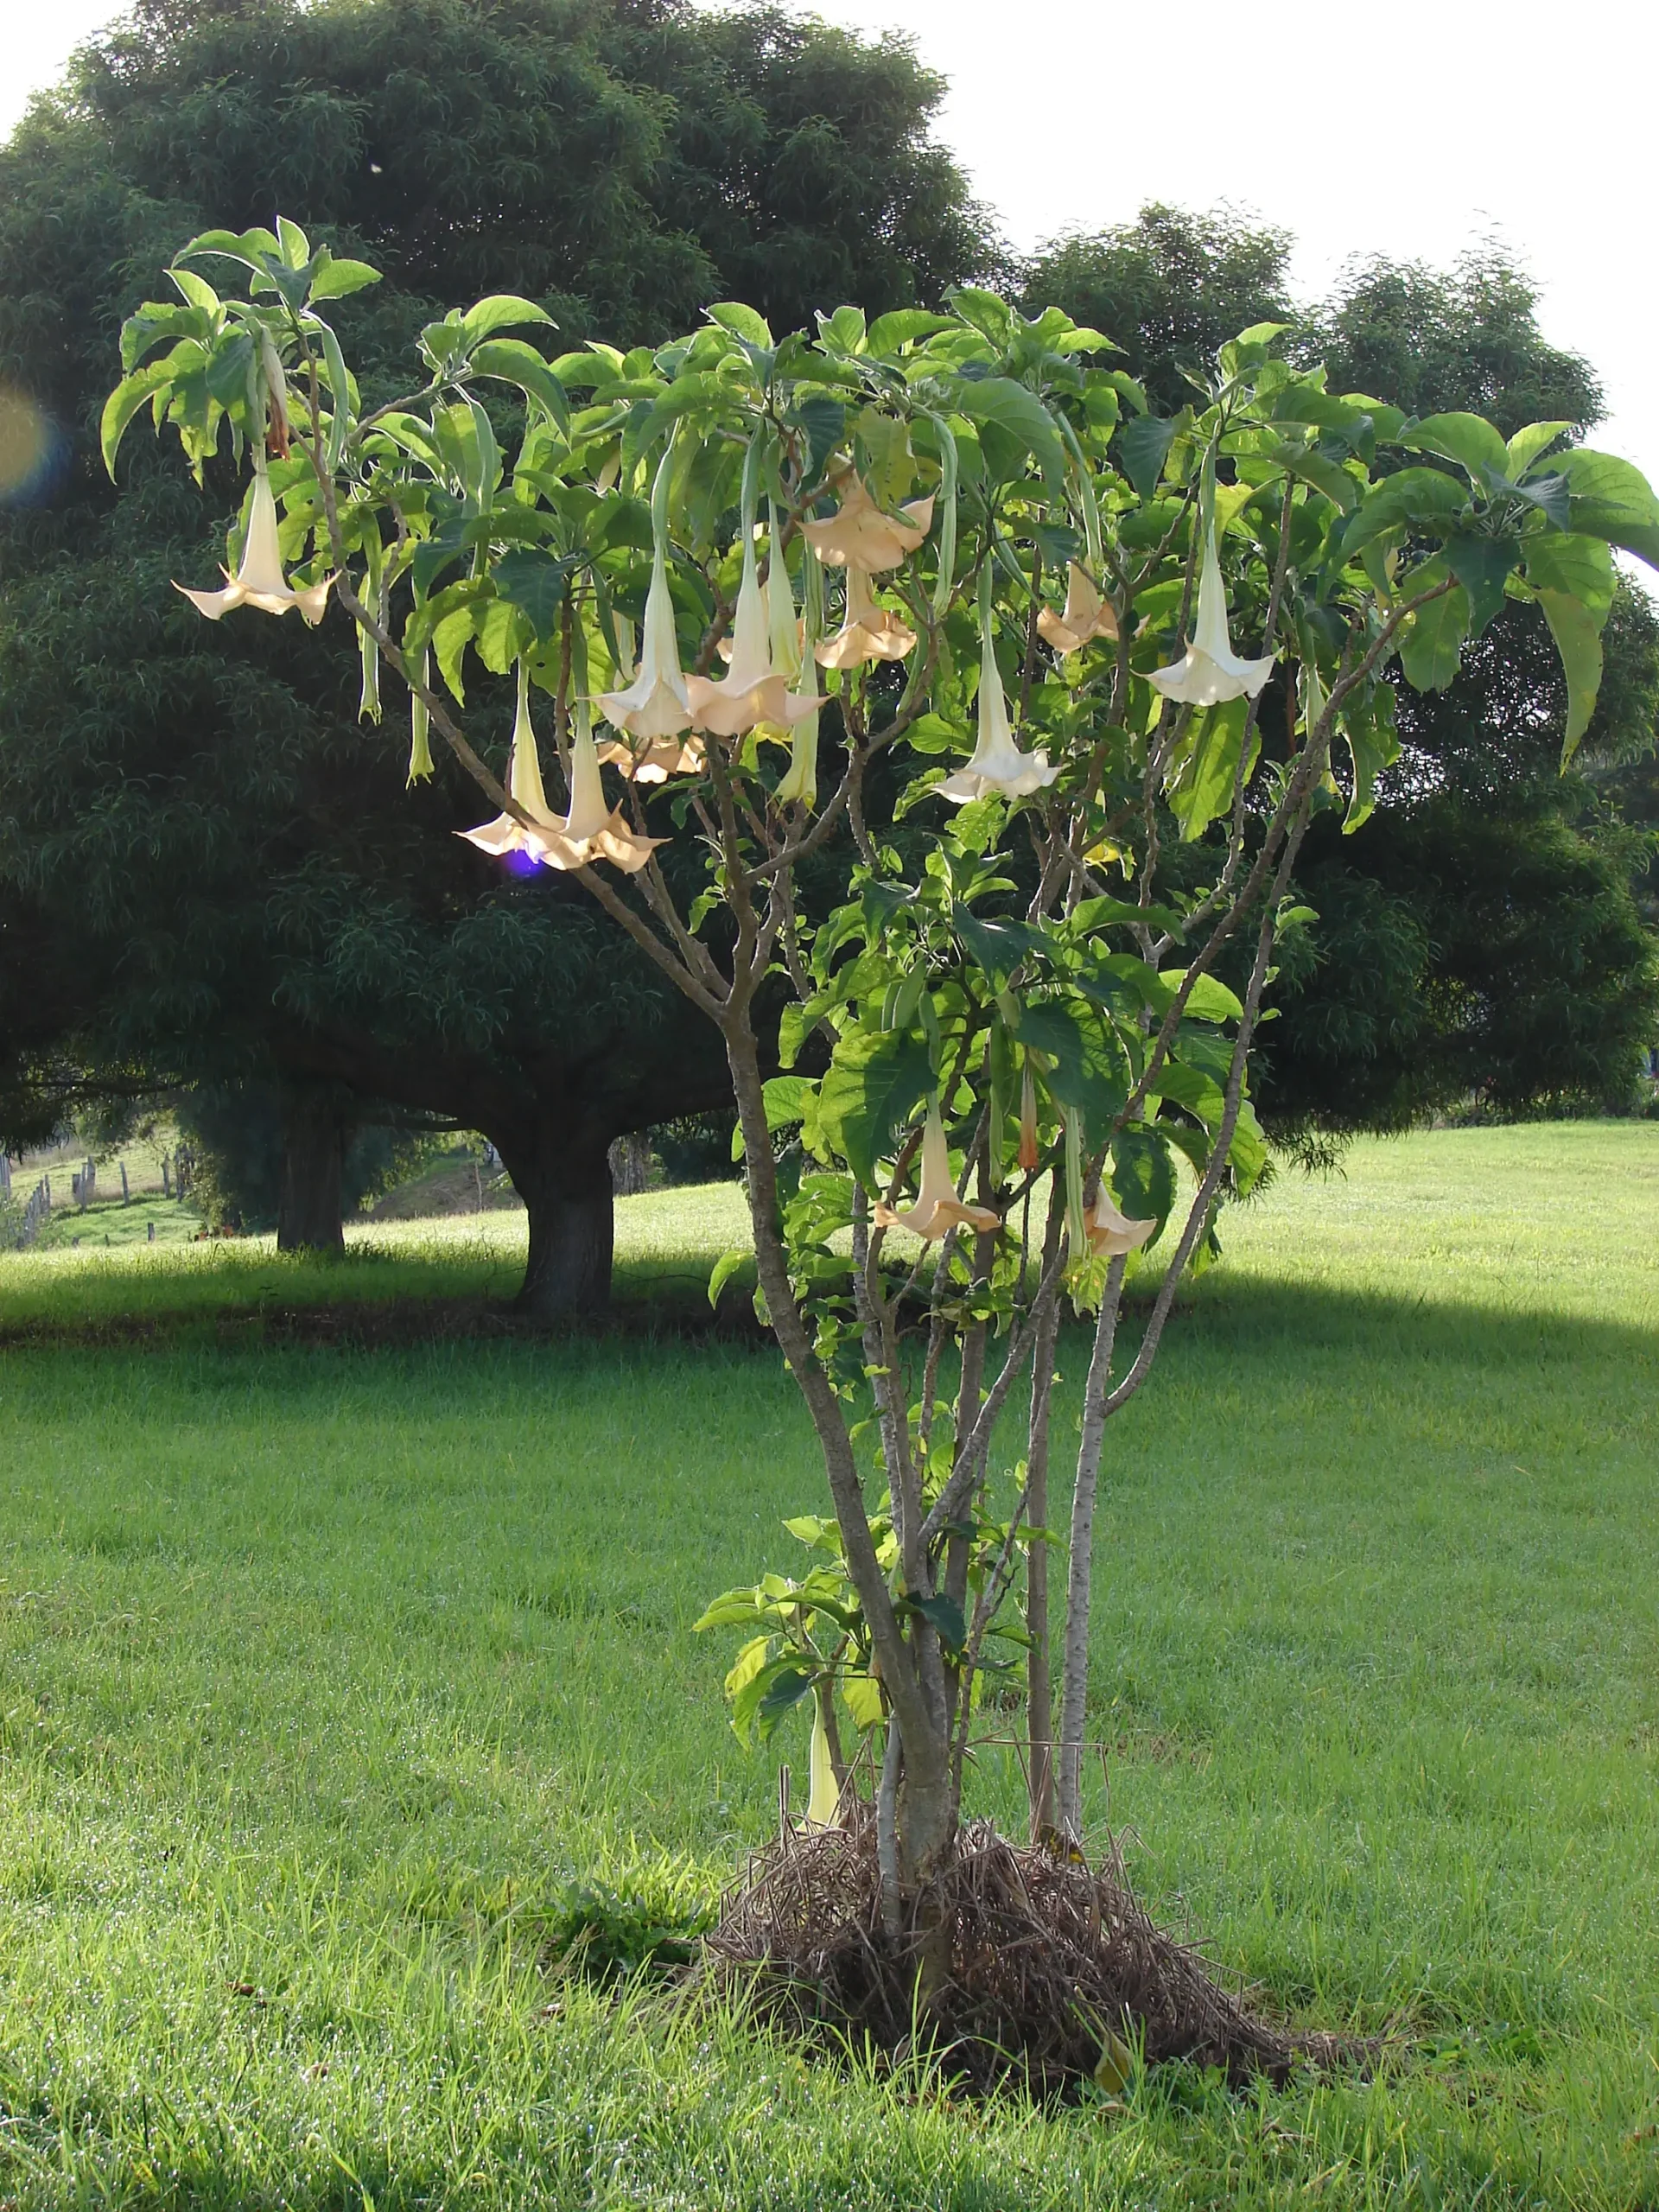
column 1411, row 129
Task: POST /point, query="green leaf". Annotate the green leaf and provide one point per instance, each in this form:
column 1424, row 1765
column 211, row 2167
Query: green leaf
column 1210, row 1000
column 785, row 1684
column 1001, row 401
column 227, row 368
column 903, row 326
column 1526, row 445
column 1582, row 568
column 786, row 1097
column 449, row 647
column 1205, row 769
column 876, row 1080
column 1577, row 641
column 514, row 360
column 1143, row 1175
column 823, row 419
column 535, row 581
column 1482, row 566
column 1427, row 496
column 1367, row 723
column 1088, row 1069
column 728, row 1265
column 1469, row 440
column 1432, row 639
column 997, row 947
column 1091, row 914
column 862, row 1694
column 336, row 280
column 296, row 246
column 1143, row 445
column 1611, row 498
column 946, row 1616
column 500, row 311
column 742, row 323
column 124, row 402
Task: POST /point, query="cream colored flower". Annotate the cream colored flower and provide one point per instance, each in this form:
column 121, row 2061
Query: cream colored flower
column 1109, row 1231
column 859, row 534
column 259, row 581
column 1086, row 615
column 506, row 833
column 655, row 705
column 998, row 764
column 868, row 631
column 591, row 831
column 752, row 691
column 1210, row 671
column 656, row 760
column 938, row 1210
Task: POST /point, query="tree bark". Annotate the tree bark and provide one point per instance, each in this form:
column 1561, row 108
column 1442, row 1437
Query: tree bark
column 308, row 1217
column 563, row 1177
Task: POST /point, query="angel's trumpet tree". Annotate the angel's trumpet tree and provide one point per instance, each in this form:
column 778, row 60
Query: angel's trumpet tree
column 1045, row 973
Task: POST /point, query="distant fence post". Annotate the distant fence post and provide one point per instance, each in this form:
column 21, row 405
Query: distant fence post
column 126, row 1195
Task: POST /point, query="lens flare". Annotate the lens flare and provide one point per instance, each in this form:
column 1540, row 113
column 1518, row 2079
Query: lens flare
column 31, row 449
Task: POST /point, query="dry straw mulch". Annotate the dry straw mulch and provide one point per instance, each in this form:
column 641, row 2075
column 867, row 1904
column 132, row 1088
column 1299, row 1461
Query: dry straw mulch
column 1014, row 1967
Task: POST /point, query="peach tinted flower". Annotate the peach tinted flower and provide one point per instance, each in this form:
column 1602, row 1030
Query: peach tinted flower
column 1085, row 615
column 938, row 1210
column 859, row 534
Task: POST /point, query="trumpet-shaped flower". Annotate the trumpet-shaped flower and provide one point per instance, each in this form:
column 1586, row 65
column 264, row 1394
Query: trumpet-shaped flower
column 1109, row 1231
column 1085, row 615
column 655, row 760
column 754, row 690
column 654, row 706
column 1210, row 671
column 868, row 631
column 506, row 833
column 591, row 831
column 998, row 764
column 859, row 534
column 259, row 581
column 938, row 1210
column 594, row 830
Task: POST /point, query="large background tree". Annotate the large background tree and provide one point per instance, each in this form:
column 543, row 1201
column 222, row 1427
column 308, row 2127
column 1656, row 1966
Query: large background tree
column 225, row 862
column 1478, row 934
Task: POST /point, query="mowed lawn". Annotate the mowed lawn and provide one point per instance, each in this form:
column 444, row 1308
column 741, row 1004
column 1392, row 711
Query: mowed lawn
column 327, row 1676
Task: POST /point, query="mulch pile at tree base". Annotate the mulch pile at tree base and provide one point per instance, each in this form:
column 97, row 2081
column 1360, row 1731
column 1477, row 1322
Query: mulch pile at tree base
column 1042, row 1956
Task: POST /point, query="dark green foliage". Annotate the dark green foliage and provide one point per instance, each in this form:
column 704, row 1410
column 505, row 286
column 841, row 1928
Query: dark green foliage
column 1169, row 288
column 1433, row 340
column 235, row 1131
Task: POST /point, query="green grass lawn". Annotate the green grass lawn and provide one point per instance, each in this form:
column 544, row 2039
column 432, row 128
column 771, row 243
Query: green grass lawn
column 324, row 1675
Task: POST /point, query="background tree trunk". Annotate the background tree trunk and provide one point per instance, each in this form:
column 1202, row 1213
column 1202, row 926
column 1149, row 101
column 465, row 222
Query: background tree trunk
column 563, row 1176
column 308, row 1217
